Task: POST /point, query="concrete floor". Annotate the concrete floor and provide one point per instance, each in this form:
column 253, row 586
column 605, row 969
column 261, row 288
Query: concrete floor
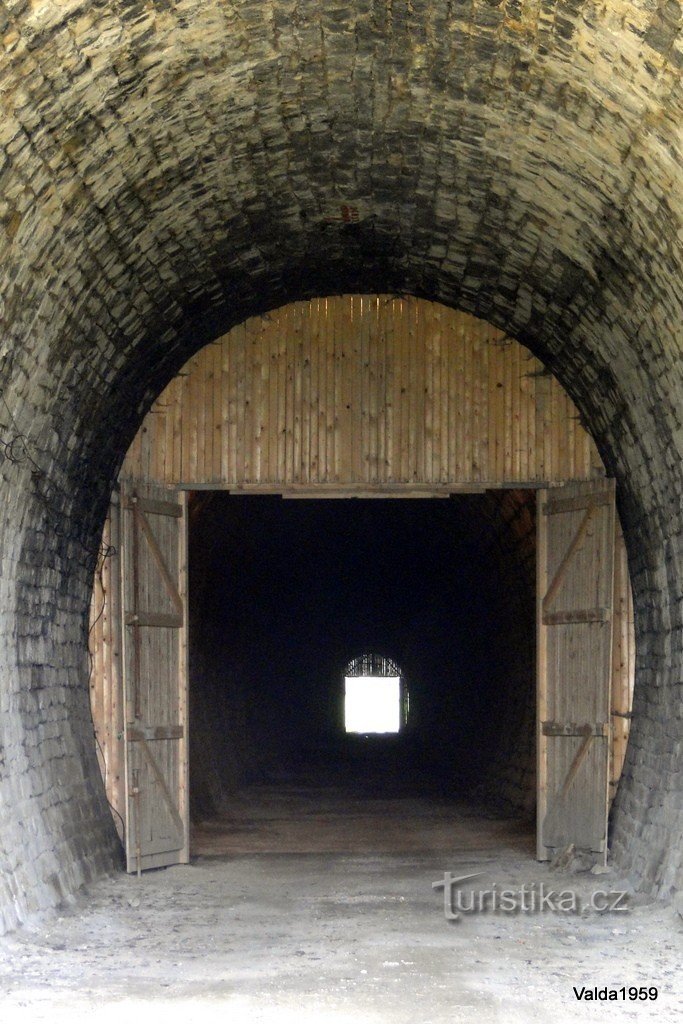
column 345, row 933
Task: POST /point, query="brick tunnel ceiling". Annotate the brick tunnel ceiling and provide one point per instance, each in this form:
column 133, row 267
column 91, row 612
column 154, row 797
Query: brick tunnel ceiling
column 168, row 169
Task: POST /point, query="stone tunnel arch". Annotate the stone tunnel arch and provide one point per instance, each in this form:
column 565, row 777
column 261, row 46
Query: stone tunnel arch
column 519, row 163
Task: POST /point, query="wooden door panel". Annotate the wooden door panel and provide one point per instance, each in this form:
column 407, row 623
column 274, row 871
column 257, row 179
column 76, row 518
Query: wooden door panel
column 153, row 586
column 154, row 770
column 575, row 814
column 576, row 525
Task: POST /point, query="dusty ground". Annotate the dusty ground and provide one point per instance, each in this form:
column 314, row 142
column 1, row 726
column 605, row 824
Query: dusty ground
column 353, row 935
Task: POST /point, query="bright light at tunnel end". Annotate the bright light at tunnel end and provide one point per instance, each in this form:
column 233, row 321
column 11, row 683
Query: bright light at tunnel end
column 372, row 704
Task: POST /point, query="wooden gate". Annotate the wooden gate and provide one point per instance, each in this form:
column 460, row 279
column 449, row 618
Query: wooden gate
column 153, row 559
column 576, row 537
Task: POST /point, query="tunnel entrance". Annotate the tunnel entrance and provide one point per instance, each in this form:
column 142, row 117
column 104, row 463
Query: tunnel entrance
column 367, row 398
column 281, row 592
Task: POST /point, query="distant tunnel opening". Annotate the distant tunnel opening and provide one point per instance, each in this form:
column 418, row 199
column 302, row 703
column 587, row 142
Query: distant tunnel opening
column 282, row 595
column 375, row 696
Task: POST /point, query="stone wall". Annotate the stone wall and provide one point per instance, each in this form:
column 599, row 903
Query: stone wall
column 168, row 170
column 509, row 778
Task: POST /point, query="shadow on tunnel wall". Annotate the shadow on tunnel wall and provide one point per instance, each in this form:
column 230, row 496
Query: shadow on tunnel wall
column 284, row 593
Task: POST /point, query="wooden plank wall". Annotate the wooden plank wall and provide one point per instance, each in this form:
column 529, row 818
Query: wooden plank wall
column 106, row 690
column 363, row 391
column 623, row 660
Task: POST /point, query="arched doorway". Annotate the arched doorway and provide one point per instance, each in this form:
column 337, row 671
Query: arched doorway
column 378, row 396
column 375, row 695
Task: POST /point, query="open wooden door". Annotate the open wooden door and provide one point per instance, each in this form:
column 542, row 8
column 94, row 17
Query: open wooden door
column 576, row 536
column 153, row 562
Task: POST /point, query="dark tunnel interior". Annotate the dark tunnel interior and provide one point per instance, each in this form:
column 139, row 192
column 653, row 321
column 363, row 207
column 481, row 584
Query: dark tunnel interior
column 283, row 593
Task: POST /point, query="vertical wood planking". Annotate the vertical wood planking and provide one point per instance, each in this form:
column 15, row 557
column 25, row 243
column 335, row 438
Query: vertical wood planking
column 623, row 660
column 525, row 421
column 362, row 389
column 277, row 325
column 426, row 350
column 444, row 418
column 183, row 681
column 467, row 398
column 403, row 372
column 205, row 451
column 541, row 673
column 390, row 386
column 326, row 330
column 153, row 674
column 369, row 346
column 226, row 469
column 343, row 419
column 297, row 392
column 114, row 705
column 105, row 679
column 247, row 401
column 306, row 456
column 575, row 632
column 350, row 368
column 192, row 397
column 378, row 332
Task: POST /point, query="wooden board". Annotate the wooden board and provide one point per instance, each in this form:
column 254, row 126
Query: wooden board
column 623, row 659
column 153, row 564
column 363, row 389
column 106, row 693
column 576, row 538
